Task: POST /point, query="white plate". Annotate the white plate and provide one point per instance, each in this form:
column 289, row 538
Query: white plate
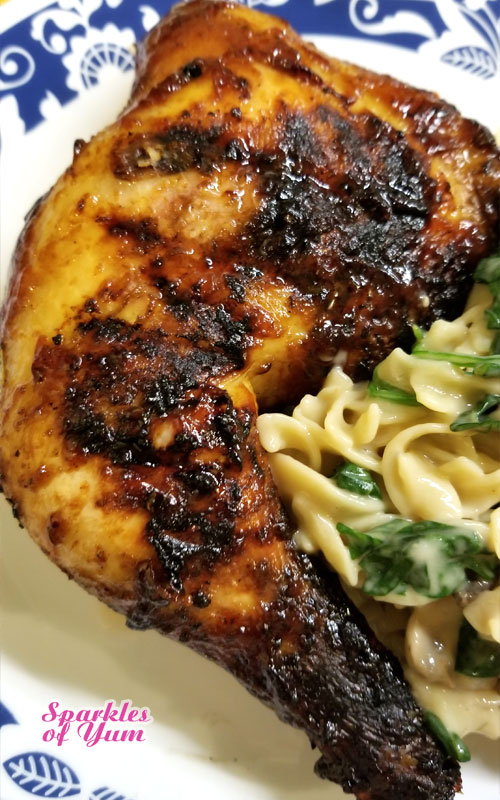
column 208, row 735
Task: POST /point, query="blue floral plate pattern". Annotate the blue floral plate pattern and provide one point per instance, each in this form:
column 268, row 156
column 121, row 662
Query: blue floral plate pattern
column 59, row 51
column 58, row 62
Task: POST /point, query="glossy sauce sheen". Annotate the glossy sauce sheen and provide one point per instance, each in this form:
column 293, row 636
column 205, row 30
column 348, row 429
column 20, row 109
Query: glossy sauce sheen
column 255, row 210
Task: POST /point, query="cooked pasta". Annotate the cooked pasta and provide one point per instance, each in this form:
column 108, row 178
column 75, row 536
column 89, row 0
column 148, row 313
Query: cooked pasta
column 422, row 470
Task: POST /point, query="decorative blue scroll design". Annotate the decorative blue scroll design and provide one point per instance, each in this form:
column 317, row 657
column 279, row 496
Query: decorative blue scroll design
column 65, row 48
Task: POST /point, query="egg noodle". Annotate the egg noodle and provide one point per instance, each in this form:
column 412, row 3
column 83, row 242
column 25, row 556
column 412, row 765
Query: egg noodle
column 397, row 429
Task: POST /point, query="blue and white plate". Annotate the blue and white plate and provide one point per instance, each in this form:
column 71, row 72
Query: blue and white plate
column 66, row 69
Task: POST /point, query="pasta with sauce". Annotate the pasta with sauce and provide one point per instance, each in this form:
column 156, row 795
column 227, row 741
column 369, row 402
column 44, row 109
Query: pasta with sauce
column 426, row 431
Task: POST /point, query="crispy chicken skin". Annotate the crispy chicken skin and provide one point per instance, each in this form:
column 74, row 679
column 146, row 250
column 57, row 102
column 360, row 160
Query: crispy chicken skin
column 257, row 209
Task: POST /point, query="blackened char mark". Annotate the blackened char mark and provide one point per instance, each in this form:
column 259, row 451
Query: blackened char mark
column 296, row 212
column 178, row 149
column 108, row 329
column 212, row 530
column 193, row 517
column 371, row 153
column 376, row 707
column 235, row 334
column 150, row 600
column 176, row 443
column 344, row 207
column 180, row 146
column 143, row 233
column 362, row 196
column 125, row 378
column 237, row 283
column 213, row 326
column 193, row 69
column 353, row 200
column 201, row 479
column 314, row 660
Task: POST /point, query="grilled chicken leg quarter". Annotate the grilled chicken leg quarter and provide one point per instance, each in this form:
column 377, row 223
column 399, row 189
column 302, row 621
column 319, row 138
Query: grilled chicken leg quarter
column 257, row 210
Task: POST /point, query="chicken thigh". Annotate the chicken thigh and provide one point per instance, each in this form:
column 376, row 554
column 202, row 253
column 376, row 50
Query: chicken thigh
column 258, row 211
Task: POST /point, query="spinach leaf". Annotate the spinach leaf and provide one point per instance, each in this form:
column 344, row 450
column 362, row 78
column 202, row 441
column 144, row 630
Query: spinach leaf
column 476, row 656
column 487, row 366
column 430, row 557
column 492, row 314
column 452, row 743
column 488, row 269
column 386, row 391
column 356, row 479
column 418, row 333
column 476, row 417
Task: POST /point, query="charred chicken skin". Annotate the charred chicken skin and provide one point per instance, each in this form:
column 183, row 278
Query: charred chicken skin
column 257, row 210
